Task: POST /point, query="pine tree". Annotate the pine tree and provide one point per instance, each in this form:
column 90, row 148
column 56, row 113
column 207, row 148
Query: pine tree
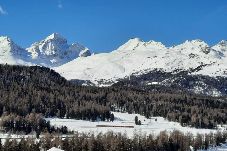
column 111, row 117
column 136, row 120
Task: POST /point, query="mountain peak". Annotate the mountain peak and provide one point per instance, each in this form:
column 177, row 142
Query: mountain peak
column 136, row 39
column 188, row 44
column 131, row 44
column 138, row 44
column 5, row 39
column 223, row 43
column 197, row 42
column 7, row 44
column 55, row 51
column 55, row 36
column 221, row 46
column 193, row 46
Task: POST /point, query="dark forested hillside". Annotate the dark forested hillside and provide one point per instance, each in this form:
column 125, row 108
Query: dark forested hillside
column 179, row 82
column 29, row 93
column 39, row 90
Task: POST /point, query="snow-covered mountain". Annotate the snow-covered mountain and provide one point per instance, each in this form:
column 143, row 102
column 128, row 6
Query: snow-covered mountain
column 137, row 56
column 53, row 51
column 11, row 53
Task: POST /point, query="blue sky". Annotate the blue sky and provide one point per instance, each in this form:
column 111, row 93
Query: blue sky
column 103, row 25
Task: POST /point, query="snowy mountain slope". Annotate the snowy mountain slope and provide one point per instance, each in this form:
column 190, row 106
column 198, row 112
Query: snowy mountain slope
column 11, row 53
column 54, row 51
column 137, row 56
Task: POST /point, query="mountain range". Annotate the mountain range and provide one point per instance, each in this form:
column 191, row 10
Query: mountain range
column 51, row 52
column 134, row 58
column 139, row 57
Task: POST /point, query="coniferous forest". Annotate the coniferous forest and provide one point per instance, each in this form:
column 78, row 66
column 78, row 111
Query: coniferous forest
column 175, row 141
column 30, row 94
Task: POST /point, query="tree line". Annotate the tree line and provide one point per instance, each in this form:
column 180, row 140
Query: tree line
column 31, row 123
column 174, row 141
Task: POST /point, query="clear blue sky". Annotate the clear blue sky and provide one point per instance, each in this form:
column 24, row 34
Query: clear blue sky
column 103, row 25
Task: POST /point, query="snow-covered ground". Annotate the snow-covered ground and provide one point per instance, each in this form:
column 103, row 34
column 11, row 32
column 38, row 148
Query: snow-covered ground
column 126, row 121
column 222, row 147
column 123, row 123
column 5, row 136
column 54, row 149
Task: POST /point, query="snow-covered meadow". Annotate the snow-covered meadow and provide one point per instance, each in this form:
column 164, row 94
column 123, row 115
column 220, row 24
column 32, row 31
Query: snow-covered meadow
column 125, row 123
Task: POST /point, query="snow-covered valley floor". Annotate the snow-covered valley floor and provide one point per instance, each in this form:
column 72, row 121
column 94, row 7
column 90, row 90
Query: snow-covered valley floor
column 124, row 123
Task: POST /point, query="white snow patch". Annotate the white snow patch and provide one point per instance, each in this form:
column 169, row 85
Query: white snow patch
column 54, row 149
column 222, row 147
column 153, row 83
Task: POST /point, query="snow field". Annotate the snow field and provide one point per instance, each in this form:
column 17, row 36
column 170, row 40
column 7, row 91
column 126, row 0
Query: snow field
column 125, row 123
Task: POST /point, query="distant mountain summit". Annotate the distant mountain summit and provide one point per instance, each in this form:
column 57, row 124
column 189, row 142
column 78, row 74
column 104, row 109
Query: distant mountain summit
column 138, row 44
column 53, row 51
